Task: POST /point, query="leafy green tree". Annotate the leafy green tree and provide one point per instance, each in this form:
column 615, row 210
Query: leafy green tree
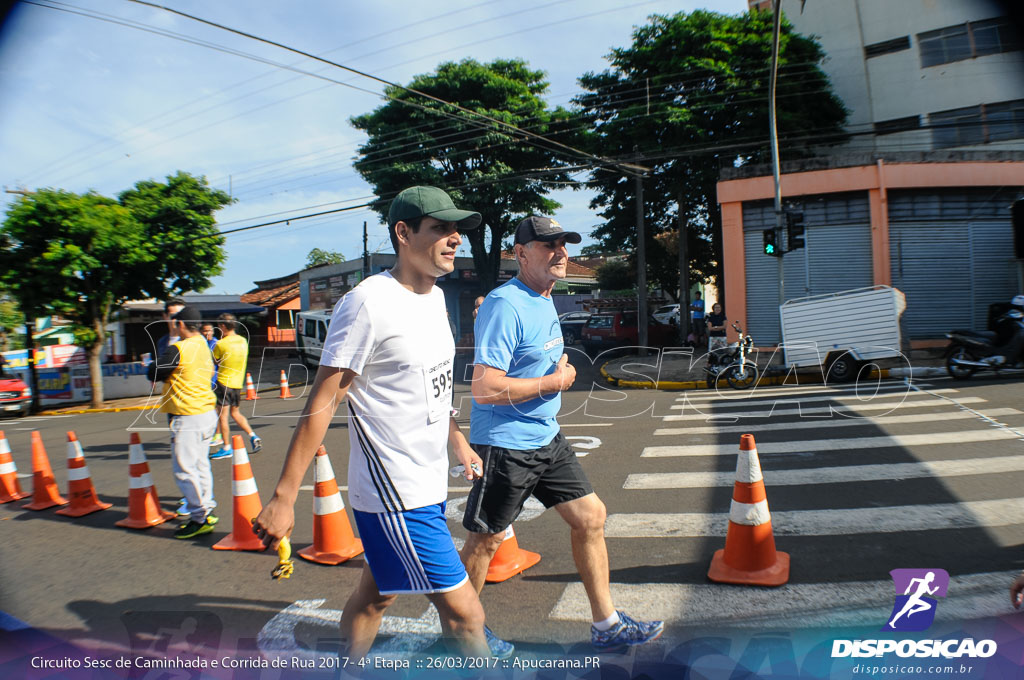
column 688, row 97
column 414, row 140
column 318, row 256
column 177, row 218
column 616, row 275
column 12, row 323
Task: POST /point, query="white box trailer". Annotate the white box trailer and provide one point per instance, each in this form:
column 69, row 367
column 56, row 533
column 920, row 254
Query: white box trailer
column 841, row 331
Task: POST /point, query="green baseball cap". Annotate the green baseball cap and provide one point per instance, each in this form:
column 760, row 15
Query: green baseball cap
column 416, row 202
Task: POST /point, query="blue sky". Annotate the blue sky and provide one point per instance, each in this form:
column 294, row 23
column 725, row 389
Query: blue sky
column 90, row 104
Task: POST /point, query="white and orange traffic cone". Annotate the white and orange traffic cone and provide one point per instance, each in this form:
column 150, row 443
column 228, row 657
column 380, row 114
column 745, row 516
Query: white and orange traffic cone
column 10, row 487
column 510, row 559
column 286, row 393
column 250, row 390
column 749, row 557
column 83, row 495
column 333, row 540
column 44, row 486
column 246, row 503
column 144, row 509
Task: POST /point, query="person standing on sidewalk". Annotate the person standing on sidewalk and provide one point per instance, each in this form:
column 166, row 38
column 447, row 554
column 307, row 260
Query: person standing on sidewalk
column 390, row 352
column 186, row 367
column 231, row 353
column 520, row 372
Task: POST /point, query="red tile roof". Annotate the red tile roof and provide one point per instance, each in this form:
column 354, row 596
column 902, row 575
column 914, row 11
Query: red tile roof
column 272, row 297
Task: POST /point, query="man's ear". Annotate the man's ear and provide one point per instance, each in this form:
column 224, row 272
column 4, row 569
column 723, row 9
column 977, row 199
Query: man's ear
column 402, row 232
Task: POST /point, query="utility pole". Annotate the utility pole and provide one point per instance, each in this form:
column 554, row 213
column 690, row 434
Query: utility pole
column 684, row 276
column 641, row 265
column 774, row 135
column 31, row 347
column 366, row 255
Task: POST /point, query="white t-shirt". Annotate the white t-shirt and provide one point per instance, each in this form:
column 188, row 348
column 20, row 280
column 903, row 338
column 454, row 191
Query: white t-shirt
column 399, row 344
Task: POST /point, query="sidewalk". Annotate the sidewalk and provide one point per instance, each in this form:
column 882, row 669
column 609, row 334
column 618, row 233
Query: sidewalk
column 266, row 375
column 675, row 370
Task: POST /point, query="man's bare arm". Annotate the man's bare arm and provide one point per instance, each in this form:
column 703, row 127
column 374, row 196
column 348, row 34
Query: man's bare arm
column 493, row 386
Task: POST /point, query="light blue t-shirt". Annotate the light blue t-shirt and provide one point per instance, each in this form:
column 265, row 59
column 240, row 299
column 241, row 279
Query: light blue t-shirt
column 517, row 331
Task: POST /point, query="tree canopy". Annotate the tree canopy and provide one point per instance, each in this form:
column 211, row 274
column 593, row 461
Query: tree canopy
column 414, row 140
column 319, row 256
column 688, row 97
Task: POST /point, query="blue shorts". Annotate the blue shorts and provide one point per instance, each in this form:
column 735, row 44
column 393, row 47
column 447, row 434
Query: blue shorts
column 411, row 551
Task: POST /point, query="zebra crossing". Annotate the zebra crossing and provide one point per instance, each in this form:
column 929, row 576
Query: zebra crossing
column 902, row 475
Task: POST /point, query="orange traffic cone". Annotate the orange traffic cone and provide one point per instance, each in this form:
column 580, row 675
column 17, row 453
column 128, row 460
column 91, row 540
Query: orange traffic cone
column 44, row 486
column 10, row 488
column 250, row 391
column 749, row 557
column 510, row 559
column 144, row 509
column 286, row 393
column 80, row 488
column 246, row 503
column 333, row 540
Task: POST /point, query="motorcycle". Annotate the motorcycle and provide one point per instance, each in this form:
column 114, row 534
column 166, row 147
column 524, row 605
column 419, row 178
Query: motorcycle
column 972, row 351
column 732, row 363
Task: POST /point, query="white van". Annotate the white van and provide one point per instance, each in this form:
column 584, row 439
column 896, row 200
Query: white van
column 310, row 334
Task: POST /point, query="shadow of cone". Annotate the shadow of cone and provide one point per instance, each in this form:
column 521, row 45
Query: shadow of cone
column 749, row 557
column 333, row 540
column 83, row 495
column 246, row 503
column 44, row 486
column 10, row 487
column 510, row 559
column 144, row 509
column 286, row 392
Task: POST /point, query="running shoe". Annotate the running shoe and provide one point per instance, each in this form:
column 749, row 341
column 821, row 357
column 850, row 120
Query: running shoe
column 223, row 453
column 211, row 519
column 500, row 649
column 625, row 633
column 194, row 528
column 256, row 442
column 217, row 440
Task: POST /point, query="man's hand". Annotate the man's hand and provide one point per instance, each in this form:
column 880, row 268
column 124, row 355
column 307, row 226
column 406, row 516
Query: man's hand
column 275, row 521
column 564, row 375
column 472, row 464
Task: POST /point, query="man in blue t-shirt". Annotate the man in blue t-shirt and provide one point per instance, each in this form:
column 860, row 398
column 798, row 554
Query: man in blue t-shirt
column 520, row 372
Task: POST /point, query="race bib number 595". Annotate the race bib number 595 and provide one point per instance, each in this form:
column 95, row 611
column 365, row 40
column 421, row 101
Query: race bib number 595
column 437, row 380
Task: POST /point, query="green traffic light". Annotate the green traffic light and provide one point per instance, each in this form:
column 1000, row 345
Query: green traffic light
column 769, row 249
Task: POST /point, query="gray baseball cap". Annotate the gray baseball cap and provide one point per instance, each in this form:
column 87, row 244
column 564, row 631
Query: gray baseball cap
column 536, row 228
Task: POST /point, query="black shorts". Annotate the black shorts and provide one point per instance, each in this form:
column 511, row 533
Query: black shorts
column 227, row 396
column 552, row 474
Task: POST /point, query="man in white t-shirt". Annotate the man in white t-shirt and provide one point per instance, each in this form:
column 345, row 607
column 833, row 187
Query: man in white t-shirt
column 390, row 351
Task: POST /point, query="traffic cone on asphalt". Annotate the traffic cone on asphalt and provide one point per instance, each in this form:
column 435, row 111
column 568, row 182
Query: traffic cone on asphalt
column 286, row 393
column 83, row 495
column 749, row 557
column 10, row 488
column 510, row 559
column 250, row 391
column 246, row 503
column 44, row 486
column 333, row 540
column 144, row 509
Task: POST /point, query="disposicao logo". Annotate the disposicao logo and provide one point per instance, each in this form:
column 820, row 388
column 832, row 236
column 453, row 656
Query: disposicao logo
column 914, row 608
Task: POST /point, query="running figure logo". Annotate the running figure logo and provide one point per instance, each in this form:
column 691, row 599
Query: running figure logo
column 916, row 590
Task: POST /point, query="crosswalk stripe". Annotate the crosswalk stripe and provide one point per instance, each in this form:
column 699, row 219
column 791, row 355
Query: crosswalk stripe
column 682, row 405
column 808, row 445
column 834, row 605
column 832, row 475
column 869, row 406
column 758, row 392
column 826, row 522
column 843, row 421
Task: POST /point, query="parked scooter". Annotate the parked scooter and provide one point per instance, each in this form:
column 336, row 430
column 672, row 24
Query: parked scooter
column 733, row 363
column 972, row 351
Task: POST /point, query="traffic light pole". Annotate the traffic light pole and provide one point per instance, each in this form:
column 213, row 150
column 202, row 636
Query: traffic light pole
column 777, row 10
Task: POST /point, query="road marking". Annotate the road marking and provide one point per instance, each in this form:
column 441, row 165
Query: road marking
column 466, row 427
column 803, row 605
column 841, row 522
column 832, row 475
column 451, row 489
column 843, row 421
column 585, row 443
column 841, row 409
column 986, row 418
column 864, row 391
column 812, row 445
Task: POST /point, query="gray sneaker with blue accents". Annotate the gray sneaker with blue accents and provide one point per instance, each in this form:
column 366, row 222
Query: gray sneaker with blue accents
column 500, row 649
column 626, row 633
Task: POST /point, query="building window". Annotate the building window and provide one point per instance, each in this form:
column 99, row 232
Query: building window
column 887, row 47
column 887, row 127
column 978, row 124
column 1004, row 120
column 285, row 318
column 973, row 39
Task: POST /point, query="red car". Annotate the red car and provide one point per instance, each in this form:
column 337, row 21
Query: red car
column 618, row 328
column 15, row 396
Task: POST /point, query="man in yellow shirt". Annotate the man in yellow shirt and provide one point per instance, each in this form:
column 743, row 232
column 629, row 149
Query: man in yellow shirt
column 186, row 368
column 231, row 354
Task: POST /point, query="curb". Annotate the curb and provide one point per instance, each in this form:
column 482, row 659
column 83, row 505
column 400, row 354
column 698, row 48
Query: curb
column 811, row 378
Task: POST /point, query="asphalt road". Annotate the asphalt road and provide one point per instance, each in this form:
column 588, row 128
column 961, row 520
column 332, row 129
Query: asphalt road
column 926, row 475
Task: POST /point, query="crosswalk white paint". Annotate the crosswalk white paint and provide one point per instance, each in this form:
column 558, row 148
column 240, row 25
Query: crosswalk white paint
column 842, row 421
column 832, row 475
column 970, row 596
column 811, row 445
column 826, row 522
column 841, row 409
column 863, row 391
column 801, row 399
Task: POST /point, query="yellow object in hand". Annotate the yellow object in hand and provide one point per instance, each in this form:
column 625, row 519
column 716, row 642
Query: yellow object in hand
column 285, row 566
